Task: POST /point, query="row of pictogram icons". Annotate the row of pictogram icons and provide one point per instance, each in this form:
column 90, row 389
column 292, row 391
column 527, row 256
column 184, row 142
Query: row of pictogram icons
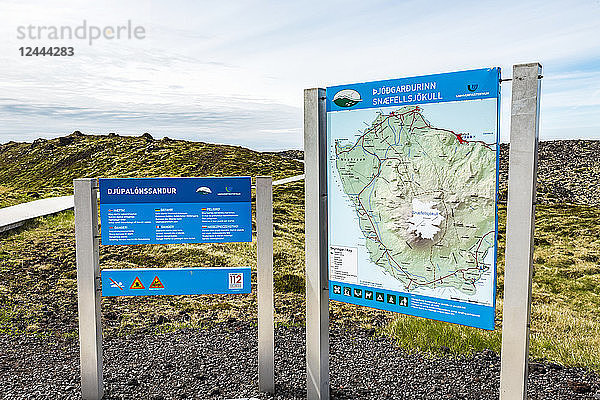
column 137, row 284
column 371, row 295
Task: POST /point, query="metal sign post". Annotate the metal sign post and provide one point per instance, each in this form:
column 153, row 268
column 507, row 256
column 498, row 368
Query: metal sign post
column 317, row 292
column 522, row 172
column 264, row 266
column 88, row 288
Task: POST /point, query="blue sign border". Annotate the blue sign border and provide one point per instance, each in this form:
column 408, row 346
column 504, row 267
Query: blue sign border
column 457, row 312
column 438, row 88
column 175, row 190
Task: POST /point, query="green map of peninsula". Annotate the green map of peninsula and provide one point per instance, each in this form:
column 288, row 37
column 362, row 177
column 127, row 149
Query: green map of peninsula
column 424, row 197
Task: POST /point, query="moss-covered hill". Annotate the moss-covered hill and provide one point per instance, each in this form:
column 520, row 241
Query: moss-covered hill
column 568, row 172
column 47, row 168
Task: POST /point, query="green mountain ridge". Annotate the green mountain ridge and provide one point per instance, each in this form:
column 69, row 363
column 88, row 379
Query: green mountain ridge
column 46, row 168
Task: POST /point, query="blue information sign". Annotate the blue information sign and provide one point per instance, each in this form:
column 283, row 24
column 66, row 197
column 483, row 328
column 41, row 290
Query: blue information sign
column 175, row 210
column 412, row 185
column 440, row 88
column 175, row 281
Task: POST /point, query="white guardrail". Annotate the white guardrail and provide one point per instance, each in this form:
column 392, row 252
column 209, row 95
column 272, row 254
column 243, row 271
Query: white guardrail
column 15, row 216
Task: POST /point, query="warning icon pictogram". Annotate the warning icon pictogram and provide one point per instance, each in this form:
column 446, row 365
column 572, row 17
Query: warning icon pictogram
column 137, row 284
column 156, row 284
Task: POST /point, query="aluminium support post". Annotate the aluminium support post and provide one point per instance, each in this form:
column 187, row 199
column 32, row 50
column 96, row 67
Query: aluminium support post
column 264, row 262
column 88, row 287
column 522, row 176
column 315, row 204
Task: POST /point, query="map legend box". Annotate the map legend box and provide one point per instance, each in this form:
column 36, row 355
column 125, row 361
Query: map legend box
column 343, row 263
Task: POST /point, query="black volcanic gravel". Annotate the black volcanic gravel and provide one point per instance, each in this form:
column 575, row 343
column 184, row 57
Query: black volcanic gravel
column 220, row 362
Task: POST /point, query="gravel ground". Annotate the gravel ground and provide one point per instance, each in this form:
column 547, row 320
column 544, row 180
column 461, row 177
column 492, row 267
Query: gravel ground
column 220, row 362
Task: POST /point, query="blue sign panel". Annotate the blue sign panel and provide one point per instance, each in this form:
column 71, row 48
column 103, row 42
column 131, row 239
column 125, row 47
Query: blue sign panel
column 469, row 314
column 412, row 167
column 175, row 281
column 175, row 210
column 439, row 88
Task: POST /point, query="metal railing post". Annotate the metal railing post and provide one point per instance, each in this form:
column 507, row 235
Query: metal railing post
column 88, row 288
column 522, row 172
column 264, row 262
column 315, row 204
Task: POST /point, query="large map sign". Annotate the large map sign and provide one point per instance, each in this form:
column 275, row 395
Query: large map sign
column 412, row 193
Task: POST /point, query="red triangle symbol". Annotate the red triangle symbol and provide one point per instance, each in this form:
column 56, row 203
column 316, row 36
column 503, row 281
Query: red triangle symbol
column 156, row 284
column 137, row 284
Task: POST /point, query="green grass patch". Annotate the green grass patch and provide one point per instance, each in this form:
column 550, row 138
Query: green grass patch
column 441, row 338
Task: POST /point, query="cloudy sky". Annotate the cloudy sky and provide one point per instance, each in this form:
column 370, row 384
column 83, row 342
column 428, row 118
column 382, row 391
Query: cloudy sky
column 234, row 71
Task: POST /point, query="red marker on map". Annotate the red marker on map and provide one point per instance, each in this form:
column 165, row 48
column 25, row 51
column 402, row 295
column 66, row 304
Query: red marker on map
column 460, row 139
